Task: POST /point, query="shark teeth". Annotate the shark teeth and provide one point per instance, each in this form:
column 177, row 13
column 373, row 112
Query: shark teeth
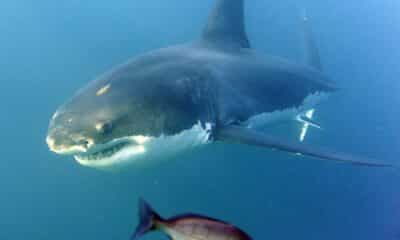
column 104, row 153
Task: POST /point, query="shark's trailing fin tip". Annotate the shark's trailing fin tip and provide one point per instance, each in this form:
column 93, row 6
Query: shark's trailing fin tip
column 226, row 25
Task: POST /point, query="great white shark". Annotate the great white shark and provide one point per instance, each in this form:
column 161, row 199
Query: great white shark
column 216, row 88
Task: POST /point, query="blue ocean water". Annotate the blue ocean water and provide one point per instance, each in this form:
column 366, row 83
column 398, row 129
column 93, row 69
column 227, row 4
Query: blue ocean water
column 51, row 48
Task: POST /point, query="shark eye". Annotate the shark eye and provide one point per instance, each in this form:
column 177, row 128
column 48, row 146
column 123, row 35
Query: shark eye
column 104, row 128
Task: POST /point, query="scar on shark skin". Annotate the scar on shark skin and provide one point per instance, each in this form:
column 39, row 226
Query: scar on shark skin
column 103, row 90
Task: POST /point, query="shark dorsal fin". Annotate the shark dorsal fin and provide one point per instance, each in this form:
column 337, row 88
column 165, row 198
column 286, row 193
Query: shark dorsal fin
column 226, row 26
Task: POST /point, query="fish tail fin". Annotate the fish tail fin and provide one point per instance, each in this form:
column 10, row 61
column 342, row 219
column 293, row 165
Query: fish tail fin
column 148, row 220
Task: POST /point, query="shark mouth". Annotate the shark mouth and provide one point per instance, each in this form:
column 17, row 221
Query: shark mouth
column 104, row 153
column 107, row 154
column 119, row 153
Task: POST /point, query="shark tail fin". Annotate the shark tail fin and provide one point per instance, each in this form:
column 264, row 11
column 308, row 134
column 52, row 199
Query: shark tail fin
column 148, row 220
column 226, row 25
column 310, row 47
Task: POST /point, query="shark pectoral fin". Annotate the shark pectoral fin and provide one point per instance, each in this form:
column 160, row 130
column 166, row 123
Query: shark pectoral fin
column 247, row 136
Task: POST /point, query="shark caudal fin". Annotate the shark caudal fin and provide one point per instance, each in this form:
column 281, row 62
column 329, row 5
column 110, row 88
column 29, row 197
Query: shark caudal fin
column 313, row 59
column 248, row 136
column 226, row 27
column 148, row 220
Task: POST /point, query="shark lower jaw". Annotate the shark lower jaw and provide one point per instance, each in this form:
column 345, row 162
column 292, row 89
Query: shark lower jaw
column 115, row 152
column 103, row 154
column 141, row 150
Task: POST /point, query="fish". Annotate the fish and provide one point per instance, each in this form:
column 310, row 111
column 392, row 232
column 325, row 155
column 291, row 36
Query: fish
column 217, row 88
column 186, row 226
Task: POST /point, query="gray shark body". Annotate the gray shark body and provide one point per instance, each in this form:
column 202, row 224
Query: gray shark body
column 214, row 89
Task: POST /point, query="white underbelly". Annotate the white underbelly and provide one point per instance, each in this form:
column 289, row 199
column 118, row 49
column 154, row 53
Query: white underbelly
column 264, row 119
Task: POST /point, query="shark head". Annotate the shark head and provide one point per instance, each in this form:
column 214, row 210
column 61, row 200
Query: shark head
column 135, row 113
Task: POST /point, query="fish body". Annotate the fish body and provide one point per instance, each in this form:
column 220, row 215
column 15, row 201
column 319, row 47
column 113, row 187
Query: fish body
column 186, row 227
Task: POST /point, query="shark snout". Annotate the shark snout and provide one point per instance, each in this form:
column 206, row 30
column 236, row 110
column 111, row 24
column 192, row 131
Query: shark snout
column 68, row 144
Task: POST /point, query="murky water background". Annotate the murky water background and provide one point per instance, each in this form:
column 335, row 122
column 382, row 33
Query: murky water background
column 51, row 48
